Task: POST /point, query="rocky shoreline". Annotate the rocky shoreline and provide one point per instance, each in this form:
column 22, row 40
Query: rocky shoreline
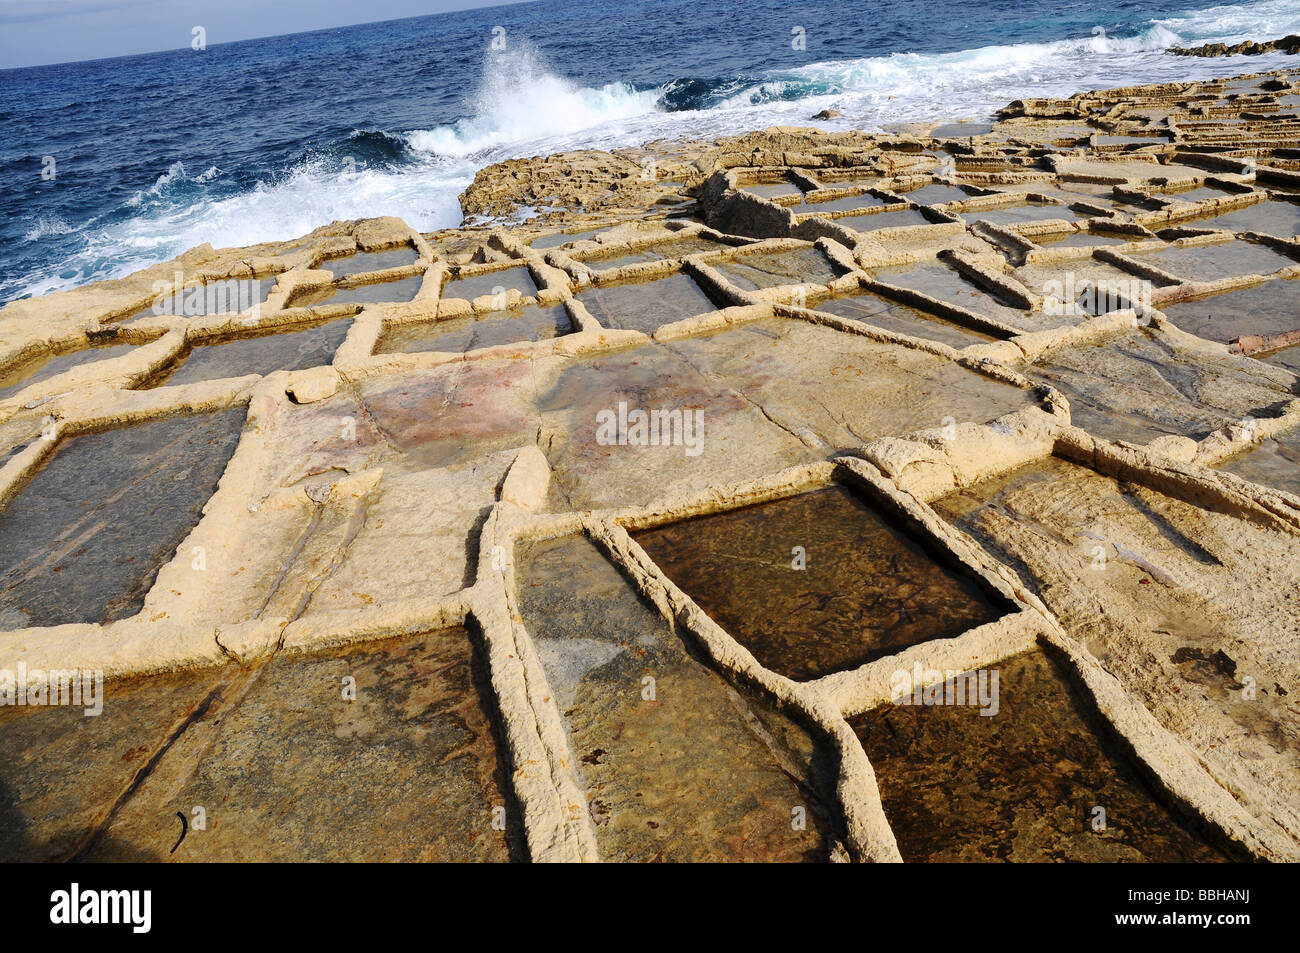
column 1287, row 44
column 1042, row 368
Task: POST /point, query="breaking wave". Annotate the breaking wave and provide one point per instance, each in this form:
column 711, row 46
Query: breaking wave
column 519, row 100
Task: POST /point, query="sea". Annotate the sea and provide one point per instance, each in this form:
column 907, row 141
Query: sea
column 267, row 139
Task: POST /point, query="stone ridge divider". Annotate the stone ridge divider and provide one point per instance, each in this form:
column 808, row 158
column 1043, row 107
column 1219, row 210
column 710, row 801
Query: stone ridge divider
column 557, row 823
column 1137, row 267
column 1174, row 767
column 152, row 640
column 295, row 274
column 1186, row 477
column 1256, row 344
column 183, row 626
column 124, row 372
column 944, row 309
column 993, row 280
column 335, row 512
column 1019, row 247
column 823, row 704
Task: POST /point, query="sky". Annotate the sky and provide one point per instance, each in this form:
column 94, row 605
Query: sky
column 35, row 32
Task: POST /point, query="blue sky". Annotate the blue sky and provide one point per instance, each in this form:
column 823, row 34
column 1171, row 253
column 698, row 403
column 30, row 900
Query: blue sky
column 33, row 32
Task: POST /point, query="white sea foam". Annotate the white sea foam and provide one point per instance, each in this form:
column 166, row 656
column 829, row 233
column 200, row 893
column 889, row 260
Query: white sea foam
column 168, row 181
column 47, row 227
column 911, row 86
column 314, row 193
column 1235, row 22
column 520, row 101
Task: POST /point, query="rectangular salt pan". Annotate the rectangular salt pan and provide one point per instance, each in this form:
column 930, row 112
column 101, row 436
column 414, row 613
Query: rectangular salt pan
column 773, row 269
column 261, row 354
column 683, row 773
column 1270, row 308
column 44, row 367
column 1017, row 778
column 677, row 248
column 817, row 583
column 872, row 223
column 1212, row 262
column 646, row 306
column 496, row 282
column 1016, row 214
column 470, row 333
column 363, row 262
column 378, row 293
column 83, row 541
column 889, row 316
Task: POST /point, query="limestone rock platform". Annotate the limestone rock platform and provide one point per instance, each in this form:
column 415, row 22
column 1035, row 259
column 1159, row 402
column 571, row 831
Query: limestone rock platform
column 796, row 496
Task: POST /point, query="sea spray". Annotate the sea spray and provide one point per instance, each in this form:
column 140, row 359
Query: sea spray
column 520, row 100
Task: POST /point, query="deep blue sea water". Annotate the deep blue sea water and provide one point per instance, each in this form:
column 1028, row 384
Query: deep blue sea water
column 267, row 139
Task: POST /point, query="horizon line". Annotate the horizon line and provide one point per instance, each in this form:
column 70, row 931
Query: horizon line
column 267, row 36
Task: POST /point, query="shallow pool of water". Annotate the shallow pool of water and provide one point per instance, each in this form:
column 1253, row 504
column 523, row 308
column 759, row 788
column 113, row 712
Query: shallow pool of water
column 1017, row 214
column 883, row 313
column 534, row 323
column 1021, row 784
column 560, row 238
column 1274, row 462
column 83, row 541
column 493, row 283
column 1276, row 218
column 1211, row 262
column 42, row 368
column 676, row 248
column 366, row 261
column 1272, row 307
column 645, row 306
column 946, row 284
column 773, row 269
column 382, row 292
column 872, row 223
column 865, row 200
column 772, row 190
column 1077, row 239
column 936, row 193
column 288, row 350
column 817, row 583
